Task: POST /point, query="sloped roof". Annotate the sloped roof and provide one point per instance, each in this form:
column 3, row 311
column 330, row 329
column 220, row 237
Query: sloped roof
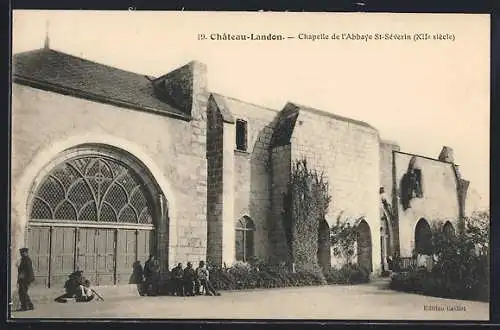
column 288, row 117
column 67, row 74
column 332, row 115
column 227, row 116
column 231, row 107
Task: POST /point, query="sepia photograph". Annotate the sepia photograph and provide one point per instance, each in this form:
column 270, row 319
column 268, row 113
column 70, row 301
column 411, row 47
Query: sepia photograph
column 249, row 166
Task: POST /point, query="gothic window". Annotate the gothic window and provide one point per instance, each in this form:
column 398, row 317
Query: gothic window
column 411, row 184
column 241, row 135
column 245, row 230
column 92, row 188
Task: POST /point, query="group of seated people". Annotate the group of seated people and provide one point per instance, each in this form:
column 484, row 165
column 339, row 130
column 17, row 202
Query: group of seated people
column 191, row 282
column 77, row 287
column 183, row 281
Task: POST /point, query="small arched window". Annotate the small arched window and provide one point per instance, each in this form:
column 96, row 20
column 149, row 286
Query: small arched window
column 245, row 229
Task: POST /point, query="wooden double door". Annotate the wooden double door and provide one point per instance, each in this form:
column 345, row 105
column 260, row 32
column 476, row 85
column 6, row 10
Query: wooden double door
column 105, row 255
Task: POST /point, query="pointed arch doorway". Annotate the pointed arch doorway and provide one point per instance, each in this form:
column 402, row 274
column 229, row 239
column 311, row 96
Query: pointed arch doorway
column 364, row 245
column 95, row 209
column 324, row 246
column 423, row 238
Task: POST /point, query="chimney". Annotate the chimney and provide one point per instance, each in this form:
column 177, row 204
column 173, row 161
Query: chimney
column 446, row 155
column 184, row 88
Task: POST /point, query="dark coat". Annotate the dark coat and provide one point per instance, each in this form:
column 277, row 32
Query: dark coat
column 189, row 274
column 177, row 273
column 25, row 271
column 137, row 273
column 72, row 285
column 151, row 270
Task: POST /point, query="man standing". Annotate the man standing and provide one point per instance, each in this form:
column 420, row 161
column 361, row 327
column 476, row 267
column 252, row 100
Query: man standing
column 177, row 275
column 138, row 277
column 24, row 278
column 189, row 278
column 151, row 275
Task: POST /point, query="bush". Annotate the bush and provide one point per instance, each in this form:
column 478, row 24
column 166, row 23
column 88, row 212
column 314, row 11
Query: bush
column 347, row 274
column 246, row 276
column 461, row 270
column 409, row 281
column 433, row 283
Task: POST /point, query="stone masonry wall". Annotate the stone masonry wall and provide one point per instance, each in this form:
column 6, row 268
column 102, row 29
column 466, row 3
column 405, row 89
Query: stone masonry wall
column 349, row 155
column 439, row 202
column 252, row 171
column 44, row 122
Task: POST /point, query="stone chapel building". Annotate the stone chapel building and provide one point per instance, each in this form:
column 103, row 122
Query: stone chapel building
column 110, row 166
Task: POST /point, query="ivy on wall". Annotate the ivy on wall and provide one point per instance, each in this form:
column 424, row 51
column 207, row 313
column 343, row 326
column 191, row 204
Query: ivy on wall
column 305, row 205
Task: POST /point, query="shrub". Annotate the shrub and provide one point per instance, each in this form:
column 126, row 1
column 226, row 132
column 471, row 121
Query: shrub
column 256, row 274
column 246, row 276
column 347, row 274
column 461, row 270
column 433, row 283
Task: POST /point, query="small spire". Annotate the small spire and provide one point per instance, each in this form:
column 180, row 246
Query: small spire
column 46, row 44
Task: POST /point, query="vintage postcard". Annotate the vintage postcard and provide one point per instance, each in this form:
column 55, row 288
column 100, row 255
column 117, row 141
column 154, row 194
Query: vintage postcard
column 249, row 165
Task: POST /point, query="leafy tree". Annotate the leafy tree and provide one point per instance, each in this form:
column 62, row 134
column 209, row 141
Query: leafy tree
column 343, row 238
column 477, row 232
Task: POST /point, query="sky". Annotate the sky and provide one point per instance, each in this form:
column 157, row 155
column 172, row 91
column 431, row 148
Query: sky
column 423, row 94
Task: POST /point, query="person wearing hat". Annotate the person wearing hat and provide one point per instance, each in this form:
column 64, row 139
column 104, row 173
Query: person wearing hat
column 24, row 278
column 72, row 286
column 178, row 278
column 189, row 278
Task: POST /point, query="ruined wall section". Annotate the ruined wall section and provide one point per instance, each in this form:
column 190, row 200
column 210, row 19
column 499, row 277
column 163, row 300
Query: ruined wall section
column 348, row 152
